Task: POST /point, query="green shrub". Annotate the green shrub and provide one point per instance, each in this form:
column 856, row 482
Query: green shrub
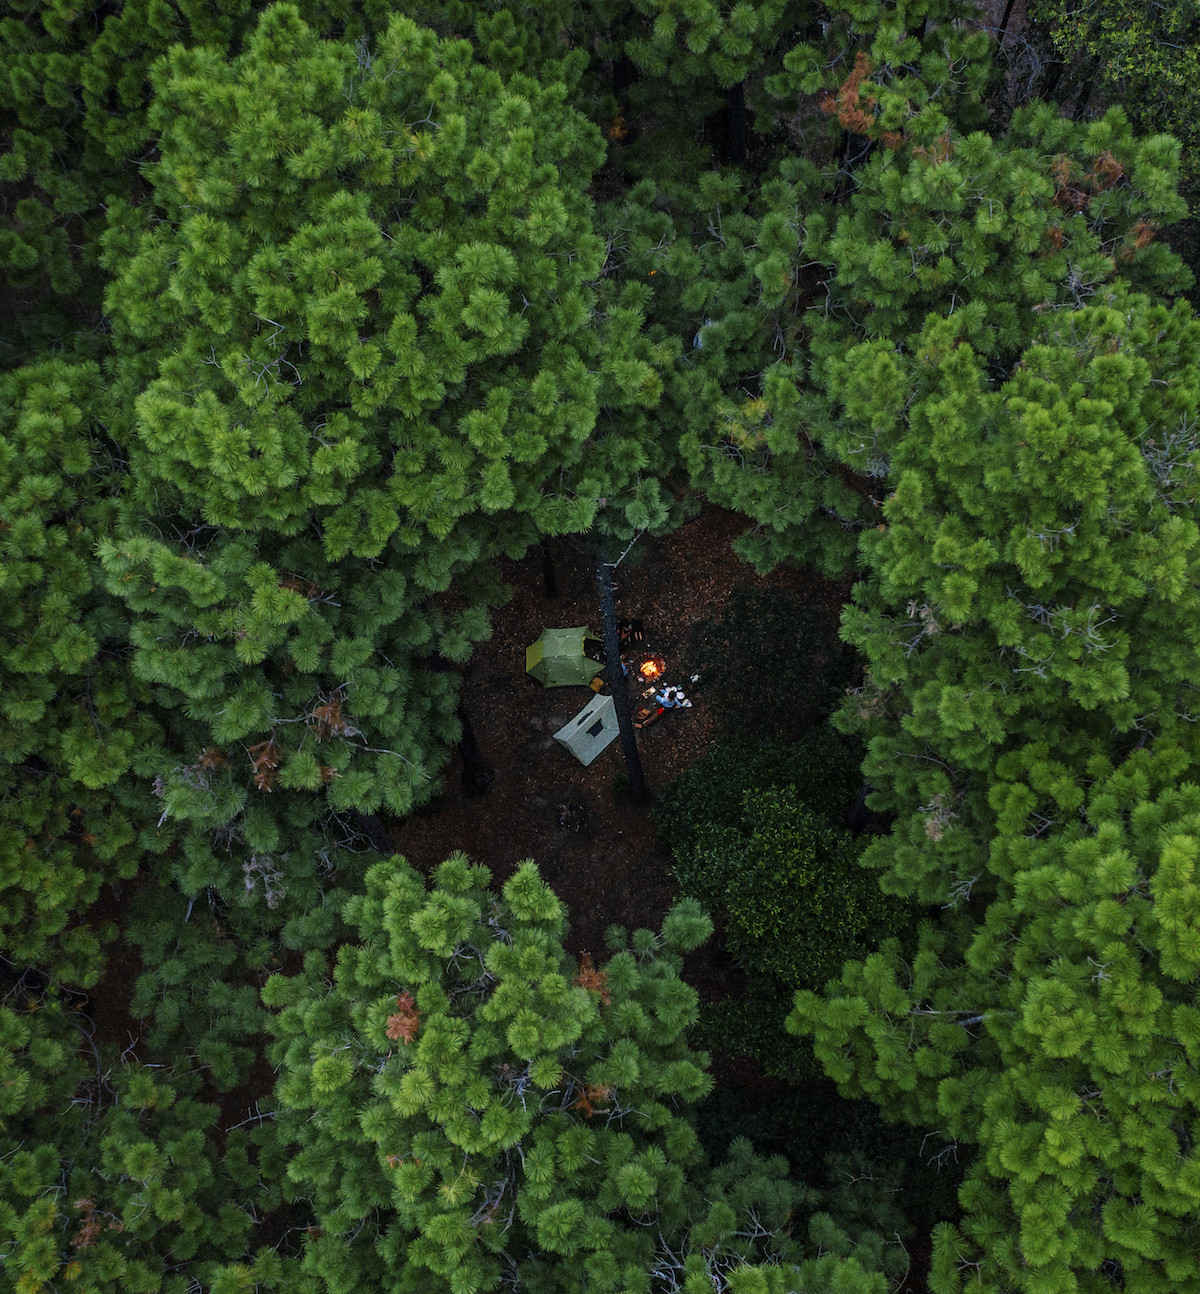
column 823, row 766
column 752, row 1026
column 796, row 902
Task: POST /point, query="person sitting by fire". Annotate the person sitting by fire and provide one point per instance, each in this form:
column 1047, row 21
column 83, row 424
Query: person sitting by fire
column 672, row 696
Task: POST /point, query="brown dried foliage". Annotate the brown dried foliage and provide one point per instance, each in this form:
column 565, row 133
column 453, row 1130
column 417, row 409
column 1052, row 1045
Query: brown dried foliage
column 90, row 1227
column 1072, row 192
column 848, row 102
column 1070, row 197
column 591, row 978
column 328, row 720
column 938, row 151
column 298, row 584
column 402, row 1026
column 1143, row 233
column 264, row 759
column 1106, row 171
column 594, row 1096
column 1061, row 169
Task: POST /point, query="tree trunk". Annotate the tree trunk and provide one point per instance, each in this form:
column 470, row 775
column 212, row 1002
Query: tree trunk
column 372, row 826
column 477, row 774
column 548, row 574
column 855, row 149
column 625, row 74
column 1084, row 96
column 859, row 814
column 616, row 679
column 735, row 106
column 1008, row 8
column 1055, row 76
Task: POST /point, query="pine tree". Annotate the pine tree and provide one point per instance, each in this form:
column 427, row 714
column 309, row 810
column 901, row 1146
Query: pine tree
column 488, row 1100
column 359, row 355
column 1057, row 1032
column 73, row 722
column 1144, row 59
column 471, row 1107
column 75, row 133
column 111, row 1177
column 996, row 231
column 1027, row 709
column 1031, row 586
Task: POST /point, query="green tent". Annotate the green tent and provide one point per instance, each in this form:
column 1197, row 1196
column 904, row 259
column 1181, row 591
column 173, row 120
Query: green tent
column 557, row 658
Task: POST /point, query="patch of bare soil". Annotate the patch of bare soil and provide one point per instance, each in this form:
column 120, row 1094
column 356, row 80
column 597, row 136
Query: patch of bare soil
column 596, row 849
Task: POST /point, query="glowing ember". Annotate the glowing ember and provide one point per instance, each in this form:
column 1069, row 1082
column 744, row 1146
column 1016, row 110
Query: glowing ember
column 650, row 668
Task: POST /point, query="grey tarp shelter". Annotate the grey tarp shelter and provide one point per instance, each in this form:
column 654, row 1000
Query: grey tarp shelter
column 592, row 730
column 557, row 659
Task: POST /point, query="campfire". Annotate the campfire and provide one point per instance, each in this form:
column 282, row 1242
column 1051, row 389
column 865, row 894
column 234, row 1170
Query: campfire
column 651, row 668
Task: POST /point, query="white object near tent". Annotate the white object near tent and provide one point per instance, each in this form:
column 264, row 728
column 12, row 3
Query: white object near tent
column 592, row 730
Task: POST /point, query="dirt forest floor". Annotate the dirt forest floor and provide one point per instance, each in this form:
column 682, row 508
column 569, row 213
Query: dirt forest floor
column 596, row 849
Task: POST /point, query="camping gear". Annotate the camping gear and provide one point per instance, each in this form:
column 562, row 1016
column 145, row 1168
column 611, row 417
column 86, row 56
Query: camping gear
column 558, row 658
column 646, row 715
column 592, row 730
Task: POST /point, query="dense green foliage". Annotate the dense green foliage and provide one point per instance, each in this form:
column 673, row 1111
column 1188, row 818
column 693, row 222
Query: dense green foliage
column 351, row 368
column 796, row 906
column 71, row 719
column 1035, row 590
column 316, row 312
column 1147, row 57
column 471, row 1107
column 759, row 838
column 1030, row 622
column 111, row 1178
column 772, row 856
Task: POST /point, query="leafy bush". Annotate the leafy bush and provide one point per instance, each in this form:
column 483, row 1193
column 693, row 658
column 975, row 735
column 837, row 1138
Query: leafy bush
column 752, row 1025
column 823, row 766
column 796, row 902
column 757, row 836
column 756, row 832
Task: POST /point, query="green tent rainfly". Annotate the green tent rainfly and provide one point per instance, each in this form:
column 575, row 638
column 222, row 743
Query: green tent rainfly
column 557, row 659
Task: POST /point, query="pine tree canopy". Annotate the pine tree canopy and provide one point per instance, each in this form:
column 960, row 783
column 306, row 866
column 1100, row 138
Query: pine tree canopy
column 358, row 354
column 1059, row 1035
column 995, row 230
column 364, row 304
column 72, row 720
column 468, row 1105
column 317, row 317
column 1033, row 557
column 1029, row 675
